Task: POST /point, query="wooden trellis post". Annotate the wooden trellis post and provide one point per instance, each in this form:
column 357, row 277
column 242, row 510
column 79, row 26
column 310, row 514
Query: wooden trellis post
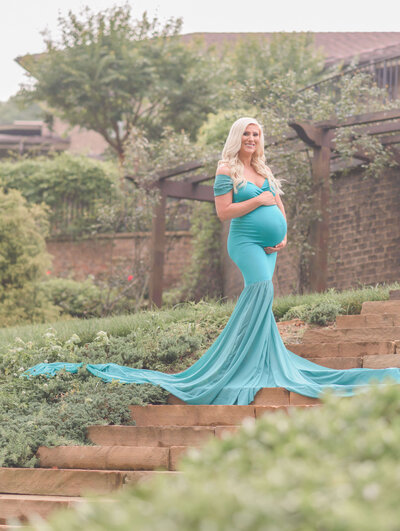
column 157, row 251
column 189, row 189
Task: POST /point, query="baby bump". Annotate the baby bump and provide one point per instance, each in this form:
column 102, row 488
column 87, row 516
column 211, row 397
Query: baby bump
column 265, row 226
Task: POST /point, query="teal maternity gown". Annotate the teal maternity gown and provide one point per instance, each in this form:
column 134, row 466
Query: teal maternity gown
column 249, row 353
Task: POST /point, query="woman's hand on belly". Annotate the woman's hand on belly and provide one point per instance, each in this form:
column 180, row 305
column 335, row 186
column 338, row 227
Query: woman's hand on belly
column 267, row 199
column 276, row 248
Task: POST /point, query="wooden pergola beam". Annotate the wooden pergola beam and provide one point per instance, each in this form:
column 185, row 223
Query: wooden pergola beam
column 390, row 140
column 178, row 170
column 198, row 179
column 392, row 127
column 184, row 190
column 308, row 133
column 360, row 119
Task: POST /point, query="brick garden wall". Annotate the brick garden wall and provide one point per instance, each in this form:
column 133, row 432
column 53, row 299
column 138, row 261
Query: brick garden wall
column 364, row 244
column 106, row 254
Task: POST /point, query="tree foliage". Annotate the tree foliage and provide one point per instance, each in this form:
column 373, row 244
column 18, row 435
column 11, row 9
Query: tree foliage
column 110, row 72
column 23, row 260
column 74, row 188
column 13, row 109
column 256, row 63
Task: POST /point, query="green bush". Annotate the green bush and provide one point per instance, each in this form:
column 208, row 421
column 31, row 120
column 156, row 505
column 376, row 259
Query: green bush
column 330, row 468
column 297, row 312
column 41, row 411
column 84, row 299
column 320, row 313
column 73, row 298
column 23, row 261
column 324, row 312
column 203, row 277
column 70, row 185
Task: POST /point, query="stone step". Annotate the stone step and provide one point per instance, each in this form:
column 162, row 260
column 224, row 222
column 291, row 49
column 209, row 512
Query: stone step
column 187, row 415
column 367, row 362
column 176, row 453
column 167, row 436
column 347, row 349
column 268, row 396
column 104, row 457
column 62, row 482
column 394, row 294
column 368, row 320
column 381, row 362
column 391, row 306
column 23, row 506
column 149, row 435
column 384, row 333
column 338, row 362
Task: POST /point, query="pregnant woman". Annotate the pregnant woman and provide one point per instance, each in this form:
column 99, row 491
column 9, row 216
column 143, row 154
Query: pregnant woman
column 249, row 353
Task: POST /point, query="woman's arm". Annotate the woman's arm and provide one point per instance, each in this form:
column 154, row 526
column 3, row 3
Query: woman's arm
column 226, row 209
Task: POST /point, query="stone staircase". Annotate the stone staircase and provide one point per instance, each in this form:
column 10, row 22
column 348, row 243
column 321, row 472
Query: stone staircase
column 370, row 340
column 128, row 454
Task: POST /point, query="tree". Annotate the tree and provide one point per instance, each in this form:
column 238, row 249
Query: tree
column 257, row 63
column 12, row 109
column 110, row 73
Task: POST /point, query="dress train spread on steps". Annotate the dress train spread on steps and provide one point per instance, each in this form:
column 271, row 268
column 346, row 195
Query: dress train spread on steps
column 249, row 354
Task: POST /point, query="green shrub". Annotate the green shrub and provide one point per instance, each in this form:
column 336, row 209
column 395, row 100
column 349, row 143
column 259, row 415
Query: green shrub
column 203, row 277
column 70, row 185
column 73, row 298
column 324, row 312
column 23, row 261
column 330, row 468
column 57, row 411
column 297, row 312
column 320, row 313
column 41, row 411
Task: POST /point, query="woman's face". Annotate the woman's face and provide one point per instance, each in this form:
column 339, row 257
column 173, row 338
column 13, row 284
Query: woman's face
column 250, row 140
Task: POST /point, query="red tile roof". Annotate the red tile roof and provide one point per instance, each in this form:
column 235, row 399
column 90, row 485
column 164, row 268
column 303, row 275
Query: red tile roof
column 337, row 46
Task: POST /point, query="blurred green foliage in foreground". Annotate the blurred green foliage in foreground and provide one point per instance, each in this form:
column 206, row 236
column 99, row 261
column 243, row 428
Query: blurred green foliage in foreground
column 331, row 468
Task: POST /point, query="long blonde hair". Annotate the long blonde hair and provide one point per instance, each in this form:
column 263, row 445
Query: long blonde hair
column 230, row 156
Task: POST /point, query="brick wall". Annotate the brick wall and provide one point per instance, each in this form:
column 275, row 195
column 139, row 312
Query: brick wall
column 364, row 243
column 104, row 254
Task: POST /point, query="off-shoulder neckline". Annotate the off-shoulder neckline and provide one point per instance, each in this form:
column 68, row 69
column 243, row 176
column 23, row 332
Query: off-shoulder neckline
column 247, row 181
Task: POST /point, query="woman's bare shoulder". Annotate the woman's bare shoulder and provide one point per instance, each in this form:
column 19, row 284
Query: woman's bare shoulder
column 223, row 169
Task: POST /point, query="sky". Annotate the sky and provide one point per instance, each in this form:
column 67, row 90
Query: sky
column 21, row 21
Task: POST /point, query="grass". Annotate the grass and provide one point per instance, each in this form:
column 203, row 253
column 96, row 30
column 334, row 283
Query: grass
column 122, row 325
column 350, row 300
column 117, row 326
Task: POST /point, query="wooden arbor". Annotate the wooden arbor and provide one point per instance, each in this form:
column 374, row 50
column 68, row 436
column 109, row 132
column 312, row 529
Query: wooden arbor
column 320, row 137
column 189, row 189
